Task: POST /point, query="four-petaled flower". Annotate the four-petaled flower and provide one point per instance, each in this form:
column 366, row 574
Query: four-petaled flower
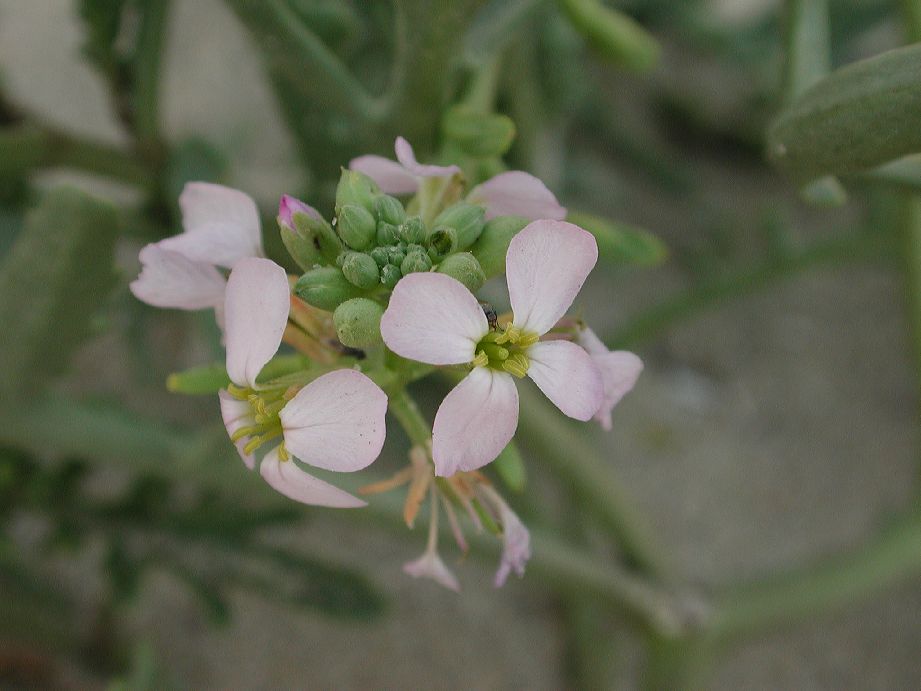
column 434, row 319
column 221, row 227
column 512, row 193
column 336, row 422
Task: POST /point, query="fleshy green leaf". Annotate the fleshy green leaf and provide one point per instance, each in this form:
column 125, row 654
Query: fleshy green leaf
column 621, row 243
column 856, row 118
column 199, row 381
column 510, row 468
column 54, row 279
column 613, row 35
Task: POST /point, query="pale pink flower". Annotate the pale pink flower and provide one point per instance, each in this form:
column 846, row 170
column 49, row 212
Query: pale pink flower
column 401, row 176
column 336, row 422
column 430, row 565
column 288, row 206
column 513, row 193
column 619, row 371
column 516, row 540
column 433, row 318
column 221, row 226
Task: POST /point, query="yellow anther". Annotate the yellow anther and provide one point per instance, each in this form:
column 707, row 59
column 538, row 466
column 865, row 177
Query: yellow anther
column 283, row 453
column 481, row 359
column 238, row 392
column 245, row 432
column 517, row 365
column 527, row 339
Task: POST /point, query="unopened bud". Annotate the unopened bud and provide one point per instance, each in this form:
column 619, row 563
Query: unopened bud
column 360, row 270
column 358, row 322
column 412, row 230
column 356, row 188
column 465, row 268
column 356, row 226
column 467, row 221
column 490, row 249
column 395, row 255
column 389, row 209
column 380, row 255
column 442, row 241
column 324, row 237
column 296, row 237
column 325, row 287
column 416, row 260
column 390, row 275
column 478, row 134
column 387, row 233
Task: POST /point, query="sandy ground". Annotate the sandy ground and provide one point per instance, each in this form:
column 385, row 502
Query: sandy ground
column 770, row 431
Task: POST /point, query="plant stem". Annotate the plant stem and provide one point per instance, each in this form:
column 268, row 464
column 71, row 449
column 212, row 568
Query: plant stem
column 573, row 460
column 405, row 410
column 147, row 72
column 709, row 293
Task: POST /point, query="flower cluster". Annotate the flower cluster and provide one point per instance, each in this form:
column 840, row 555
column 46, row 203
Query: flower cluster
column 386, row 295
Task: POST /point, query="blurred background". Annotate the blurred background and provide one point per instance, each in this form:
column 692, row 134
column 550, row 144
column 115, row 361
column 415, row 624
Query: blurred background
column 762, row 468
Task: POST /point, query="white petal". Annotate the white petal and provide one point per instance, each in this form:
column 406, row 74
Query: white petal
column 221, row 225
column 256, row 307
column 516, row 193
column 237, row 414
column 546, row 265
column 286, row 478
column 430, row 565
column 168, row 279
column 407, row 159
column 589, row 340
column 433, row 318
column 475, row 421
column 389, row 175
column 568, row 377
column 336, row 422
column 619, row 371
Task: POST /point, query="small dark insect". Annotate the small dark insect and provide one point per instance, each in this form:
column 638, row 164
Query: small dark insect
column 491, row 315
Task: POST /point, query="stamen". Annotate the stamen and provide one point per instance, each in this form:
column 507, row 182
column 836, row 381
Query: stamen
column 283, row 452
column 481, row 359
column 517, row 365
column 245, row 432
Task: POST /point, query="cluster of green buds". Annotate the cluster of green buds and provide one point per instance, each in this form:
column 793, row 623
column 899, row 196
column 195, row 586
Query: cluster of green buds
column 353, row 263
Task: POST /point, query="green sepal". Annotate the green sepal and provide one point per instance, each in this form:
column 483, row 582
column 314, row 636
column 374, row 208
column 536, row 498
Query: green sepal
column 510, row 467
column 620, row 243
column 389, row 210
column 199, row 381
column 356, row 188
column 478, row 134
column 416, row 260
column 360, row 270
column 491, row 247
column 322, row 233
column 466, row 219
column 358, row 322
column 412, row 230
column 464, row 267
column 390, row 276
column 357, row 226
column 299, row 241
column 325, row 287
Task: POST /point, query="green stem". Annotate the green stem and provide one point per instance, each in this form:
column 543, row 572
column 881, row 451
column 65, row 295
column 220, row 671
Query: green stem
column 407, row 413
column 147, row 72
column 808, row 49
column 575, row 462
column 749, row 280
column 31, row 146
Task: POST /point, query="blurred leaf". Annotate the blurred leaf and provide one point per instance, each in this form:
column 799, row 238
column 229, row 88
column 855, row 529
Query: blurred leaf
column 57, row 275
column 620, row 243
column 144, row 674
column 193, row 159
column 858, row 117
column 102, row 19
column 510, row 468
column 614, row 35
column 808, row 57
column 124, row 572
column 826, row 192
column 478, row 134
column 199, row 381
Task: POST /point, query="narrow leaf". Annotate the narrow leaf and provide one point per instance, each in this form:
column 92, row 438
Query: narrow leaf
column 620, row 243
column 510, row 468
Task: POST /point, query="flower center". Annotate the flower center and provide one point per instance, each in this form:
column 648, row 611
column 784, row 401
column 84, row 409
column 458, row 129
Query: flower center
column 265, row 406
column 505, row 350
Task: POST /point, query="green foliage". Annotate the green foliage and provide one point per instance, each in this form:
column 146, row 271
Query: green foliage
column 614, row 35
column 620, row 243
column 196, row 381
column 53, row 281
column 858, row 117
column 510, row 467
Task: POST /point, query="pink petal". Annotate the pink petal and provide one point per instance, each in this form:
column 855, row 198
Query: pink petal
column 619, row 371
column 407, row 159
column 389, row 175
column 516, row 193
column 568, row 377
column 433, row 318
column 288, row 206
column 336, row 422
column 255, row 314
column 286, row 478
column 475, row 421
column 168, row 279
column 237, row 414
column 430, row 565
column 516, row 543
column 221, row 225
column 546, row 265
column 589, row 340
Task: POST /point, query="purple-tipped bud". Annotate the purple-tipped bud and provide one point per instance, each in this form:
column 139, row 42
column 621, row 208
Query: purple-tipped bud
column 288, row 206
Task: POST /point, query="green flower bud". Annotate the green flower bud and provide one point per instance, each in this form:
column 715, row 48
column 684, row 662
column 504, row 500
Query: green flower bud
column 389, row 209
column 478, row 134
column 416, row 260
column 465, row 268
column 466, row 219
column 325, row 287
column 413, row 230
column 395, row 255
column 360, row 270
column 324, row 237
column 300, row 245
column 380, row 255
column 493, row 243
column 356, row 188
column 358, row 322
column 390, row 275
column 442, row 241
column 357, row 226
column 387, row 233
